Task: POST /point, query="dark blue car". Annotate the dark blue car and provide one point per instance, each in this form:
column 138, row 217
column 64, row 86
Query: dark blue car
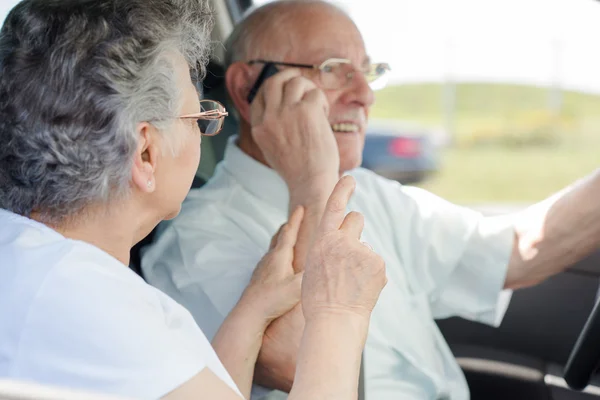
column 403, row 153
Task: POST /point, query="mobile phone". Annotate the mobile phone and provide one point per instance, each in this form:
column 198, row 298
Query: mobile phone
column 268, row 70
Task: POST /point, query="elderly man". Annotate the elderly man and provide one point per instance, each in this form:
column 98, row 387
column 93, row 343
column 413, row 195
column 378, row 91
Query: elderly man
column 442, row 260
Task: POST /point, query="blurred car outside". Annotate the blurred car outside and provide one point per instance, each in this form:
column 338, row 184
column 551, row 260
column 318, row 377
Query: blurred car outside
column 405, row 152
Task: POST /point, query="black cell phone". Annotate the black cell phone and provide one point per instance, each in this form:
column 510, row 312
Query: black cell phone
column 268, row 70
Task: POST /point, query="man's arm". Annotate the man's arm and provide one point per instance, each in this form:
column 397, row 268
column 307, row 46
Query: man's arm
column 552, row 235
column 307, row 158
column 290, row 126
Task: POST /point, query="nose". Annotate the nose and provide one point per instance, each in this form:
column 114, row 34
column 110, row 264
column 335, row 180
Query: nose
column 358, row 91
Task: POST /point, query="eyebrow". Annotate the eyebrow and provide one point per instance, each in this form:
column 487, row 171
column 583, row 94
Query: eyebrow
column 366, row 61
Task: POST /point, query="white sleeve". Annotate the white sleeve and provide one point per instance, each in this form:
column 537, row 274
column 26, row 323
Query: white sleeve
column 456, row 255
column 93, row 330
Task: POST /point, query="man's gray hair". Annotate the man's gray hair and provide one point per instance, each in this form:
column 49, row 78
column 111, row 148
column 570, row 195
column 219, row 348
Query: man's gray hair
column 76, row 78
column 250, row 37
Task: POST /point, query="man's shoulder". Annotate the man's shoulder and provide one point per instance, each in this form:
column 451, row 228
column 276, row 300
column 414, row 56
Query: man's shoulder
column 215, row 220
column 372, row 188
column 364, row 174
column 218, row 189
column 222, row 208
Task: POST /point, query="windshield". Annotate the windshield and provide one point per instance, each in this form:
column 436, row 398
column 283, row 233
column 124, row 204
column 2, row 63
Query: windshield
column 506, row 91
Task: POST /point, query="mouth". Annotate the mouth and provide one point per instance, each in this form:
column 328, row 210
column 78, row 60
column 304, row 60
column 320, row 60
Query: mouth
column 345, row 127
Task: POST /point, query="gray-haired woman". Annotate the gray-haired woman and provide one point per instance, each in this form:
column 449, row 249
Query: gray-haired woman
column 100, row 128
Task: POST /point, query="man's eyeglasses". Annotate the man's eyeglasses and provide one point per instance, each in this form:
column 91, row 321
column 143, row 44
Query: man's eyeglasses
column 210, row 118
column 337, row 73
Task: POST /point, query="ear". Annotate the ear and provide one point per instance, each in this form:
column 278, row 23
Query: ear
column 145, row 158
column 239, row 79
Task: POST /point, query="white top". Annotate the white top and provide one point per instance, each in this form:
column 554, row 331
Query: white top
column 72, row 316
column 442, row 260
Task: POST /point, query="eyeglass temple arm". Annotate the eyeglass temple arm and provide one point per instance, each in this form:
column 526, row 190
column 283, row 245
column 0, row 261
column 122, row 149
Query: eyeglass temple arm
column 285, row 64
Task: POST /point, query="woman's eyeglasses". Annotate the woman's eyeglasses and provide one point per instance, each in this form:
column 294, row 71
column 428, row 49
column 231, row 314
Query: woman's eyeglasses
column 210, row 118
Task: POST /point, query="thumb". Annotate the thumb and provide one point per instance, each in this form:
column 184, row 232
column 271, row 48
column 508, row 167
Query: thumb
column 292, row 292
column 295, row 284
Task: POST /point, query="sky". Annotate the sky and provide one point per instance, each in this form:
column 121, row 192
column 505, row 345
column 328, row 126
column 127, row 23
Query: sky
column 538, row 42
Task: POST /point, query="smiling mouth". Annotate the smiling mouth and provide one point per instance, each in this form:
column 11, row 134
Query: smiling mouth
column 346, row 127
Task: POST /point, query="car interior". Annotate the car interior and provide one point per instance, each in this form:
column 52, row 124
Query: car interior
column 525, row 357
column 548, row 345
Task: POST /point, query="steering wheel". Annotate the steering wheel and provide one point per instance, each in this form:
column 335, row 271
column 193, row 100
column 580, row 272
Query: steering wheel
column 585, row 356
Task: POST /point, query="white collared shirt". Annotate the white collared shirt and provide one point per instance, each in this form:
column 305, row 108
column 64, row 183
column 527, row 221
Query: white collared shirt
column 74, row 317
column 442, row 260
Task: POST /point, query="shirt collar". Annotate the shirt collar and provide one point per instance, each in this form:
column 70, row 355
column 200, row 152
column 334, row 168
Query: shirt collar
column 260, row 180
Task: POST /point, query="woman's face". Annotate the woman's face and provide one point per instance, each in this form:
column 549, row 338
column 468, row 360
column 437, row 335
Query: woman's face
column 174, row 173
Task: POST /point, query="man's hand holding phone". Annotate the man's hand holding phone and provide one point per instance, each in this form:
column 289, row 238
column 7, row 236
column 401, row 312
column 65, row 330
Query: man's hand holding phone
column 289, row 118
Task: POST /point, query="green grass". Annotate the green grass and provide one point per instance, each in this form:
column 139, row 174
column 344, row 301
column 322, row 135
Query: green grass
column 423, row 102
column 471, row 176
column 506, row 146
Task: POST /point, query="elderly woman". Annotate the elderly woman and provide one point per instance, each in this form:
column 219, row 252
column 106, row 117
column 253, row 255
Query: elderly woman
column 100, row 129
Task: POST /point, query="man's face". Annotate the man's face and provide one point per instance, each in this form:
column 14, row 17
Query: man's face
column 325, row 34
column 313, row 35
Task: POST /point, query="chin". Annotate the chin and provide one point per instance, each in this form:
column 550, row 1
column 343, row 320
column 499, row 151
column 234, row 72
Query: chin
column 350, row 159
column 350, row 147
column 172, row 214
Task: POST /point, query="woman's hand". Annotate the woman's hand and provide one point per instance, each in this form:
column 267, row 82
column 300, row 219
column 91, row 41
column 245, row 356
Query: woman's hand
column 275, row 288
column 343, row 275
column 342, row 282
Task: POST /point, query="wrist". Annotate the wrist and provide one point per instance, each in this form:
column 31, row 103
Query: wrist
column 251, row 312
column 337, row 319
column 316, row 187
column 340, row 336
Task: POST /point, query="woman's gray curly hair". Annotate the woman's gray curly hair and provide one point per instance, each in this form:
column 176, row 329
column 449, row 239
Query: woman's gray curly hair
column 76, row 78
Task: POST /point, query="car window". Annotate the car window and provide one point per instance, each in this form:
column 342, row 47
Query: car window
column 506, row 92
column 6, row 6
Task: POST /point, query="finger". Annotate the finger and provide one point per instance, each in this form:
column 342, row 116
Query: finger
column 295, row 89
column 296, row 284
column 297, row 280
column 275, row 238
column 367, row 245
column 272, row 90
column 317, row 96
column 294, row 291
column 257, row 109
column 289, row 235
column 353, row 224
column 335, row 210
